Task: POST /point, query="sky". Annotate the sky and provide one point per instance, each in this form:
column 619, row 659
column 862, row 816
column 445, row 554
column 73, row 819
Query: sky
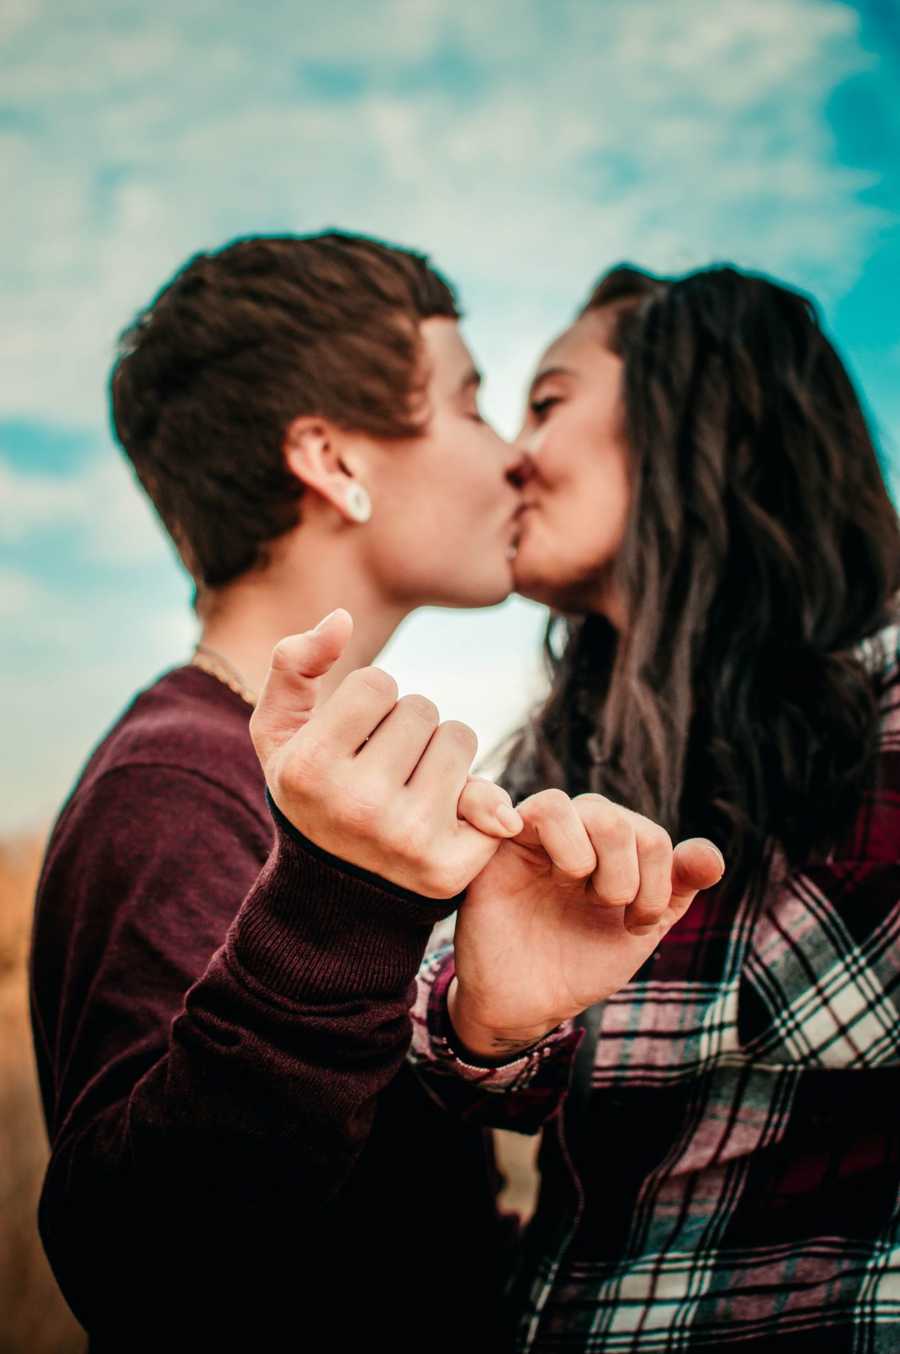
column 527, row 145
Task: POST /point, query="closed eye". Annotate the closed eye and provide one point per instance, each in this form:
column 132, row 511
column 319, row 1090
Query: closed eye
column 541, row 407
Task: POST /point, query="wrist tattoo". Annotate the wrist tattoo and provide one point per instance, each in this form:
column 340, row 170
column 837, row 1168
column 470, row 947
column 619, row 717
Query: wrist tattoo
column 499, row 1044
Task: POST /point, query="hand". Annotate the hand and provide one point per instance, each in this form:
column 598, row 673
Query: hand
column 370, row 778
column 565, row 915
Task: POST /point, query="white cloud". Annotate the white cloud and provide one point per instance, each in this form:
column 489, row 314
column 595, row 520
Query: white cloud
column 528, row 161
column 19, row 594
column 16, row 16
column 527, row 146
column 100, row 501
column 31, row 502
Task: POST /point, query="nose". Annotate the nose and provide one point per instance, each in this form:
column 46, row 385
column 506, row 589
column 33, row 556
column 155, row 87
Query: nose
column 521, row 467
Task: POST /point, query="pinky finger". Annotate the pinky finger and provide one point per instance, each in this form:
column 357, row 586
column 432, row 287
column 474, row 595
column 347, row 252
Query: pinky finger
column 696, row 865
column 483, row 805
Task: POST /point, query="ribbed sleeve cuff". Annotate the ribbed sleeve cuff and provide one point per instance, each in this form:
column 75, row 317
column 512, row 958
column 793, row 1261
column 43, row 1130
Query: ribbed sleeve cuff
column 315, row 928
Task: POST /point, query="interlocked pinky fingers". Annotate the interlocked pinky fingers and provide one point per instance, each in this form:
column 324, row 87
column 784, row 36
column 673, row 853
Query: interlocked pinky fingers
column 550, row 818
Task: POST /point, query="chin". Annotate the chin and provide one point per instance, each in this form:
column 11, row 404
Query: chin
column 531, row 577
column 539, row 592
column 573, row 592
column 494, row 594
column 530, row 582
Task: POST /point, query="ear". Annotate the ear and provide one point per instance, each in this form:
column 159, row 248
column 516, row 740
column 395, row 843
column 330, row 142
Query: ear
column 317, row 453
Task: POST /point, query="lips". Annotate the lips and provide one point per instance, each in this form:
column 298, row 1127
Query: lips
column 517, row 524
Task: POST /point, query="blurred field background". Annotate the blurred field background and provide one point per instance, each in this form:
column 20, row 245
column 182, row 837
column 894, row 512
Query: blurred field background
column 526, row 145
column 35, row 1319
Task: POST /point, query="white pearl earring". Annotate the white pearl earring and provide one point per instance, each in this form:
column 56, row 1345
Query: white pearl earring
column 359, row 505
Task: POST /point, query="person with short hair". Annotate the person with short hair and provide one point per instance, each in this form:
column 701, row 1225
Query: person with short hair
column 239, row 1156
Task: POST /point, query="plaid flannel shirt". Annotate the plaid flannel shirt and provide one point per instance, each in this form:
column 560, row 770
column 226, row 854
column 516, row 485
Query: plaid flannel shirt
column 730, row 1174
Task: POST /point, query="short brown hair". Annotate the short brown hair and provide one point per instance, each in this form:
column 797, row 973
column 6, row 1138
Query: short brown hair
column 240, row 342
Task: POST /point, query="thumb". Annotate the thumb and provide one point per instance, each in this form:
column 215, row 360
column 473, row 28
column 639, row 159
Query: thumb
column 291, row 688
column 696, row 864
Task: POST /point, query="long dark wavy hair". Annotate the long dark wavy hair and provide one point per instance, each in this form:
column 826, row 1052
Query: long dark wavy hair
column 761, row 548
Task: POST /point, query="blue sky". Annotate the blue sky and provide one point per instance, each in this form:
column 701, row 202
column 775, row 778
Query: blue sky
column 526, row 144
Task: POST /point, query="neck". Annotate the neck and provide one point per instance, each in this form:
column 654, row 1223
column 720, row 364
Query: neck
column 245, row 620
column 607, row 601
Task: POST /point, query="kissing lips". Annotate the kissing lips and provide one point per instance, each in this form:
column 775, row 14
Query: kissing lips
column 520, row 529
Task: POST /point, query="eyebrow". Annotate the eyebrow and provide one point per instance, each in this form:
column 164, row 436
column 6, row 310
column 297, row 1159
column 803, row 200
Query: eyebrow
column 548, row 371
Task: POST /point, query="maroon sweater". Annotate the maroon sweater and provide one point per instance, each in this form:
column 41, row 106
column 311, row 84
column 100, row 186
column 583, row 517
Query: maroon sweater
column 239, row 1152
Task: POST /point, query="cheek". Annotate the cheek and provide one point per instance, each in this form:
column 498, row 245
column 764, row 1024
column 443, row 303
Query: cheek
column 580, row 466
column 465, row 477
column 583, row 506
column 447, row 491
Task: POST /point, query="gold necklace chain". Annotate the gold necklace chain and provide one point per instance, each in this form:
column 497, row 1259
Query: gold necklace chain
column 218, row 666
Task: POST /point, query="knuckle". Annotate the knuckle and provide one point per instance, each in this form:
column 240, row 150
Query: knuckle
column 617, row 832
column 460, row 735
column 421, row 706
column 654, row 840
column 376, row 682
column 552, row 803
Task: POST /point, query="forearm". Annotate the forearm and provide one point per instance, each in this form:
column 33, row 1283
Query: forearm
column 250, row 1103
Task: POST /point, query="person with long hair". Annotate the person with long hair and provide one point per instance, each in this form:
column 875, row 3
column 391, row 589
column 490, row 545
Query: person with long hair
column 705, row 514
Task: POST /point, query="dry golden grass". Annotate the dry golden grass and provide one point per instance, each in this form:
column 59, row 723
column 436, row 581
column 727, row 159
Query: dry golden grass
column 517, row 1159
column 35, row 1318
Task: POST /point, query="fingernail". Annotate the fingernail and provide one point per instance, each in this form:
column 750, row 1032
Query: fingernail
column 324, row 621
column 706, row 842
column 508, row 819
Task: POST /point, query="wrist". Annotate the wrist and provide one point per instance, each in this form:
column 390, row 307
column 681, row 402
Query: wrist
column 487, row 1043
column 435, row 908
